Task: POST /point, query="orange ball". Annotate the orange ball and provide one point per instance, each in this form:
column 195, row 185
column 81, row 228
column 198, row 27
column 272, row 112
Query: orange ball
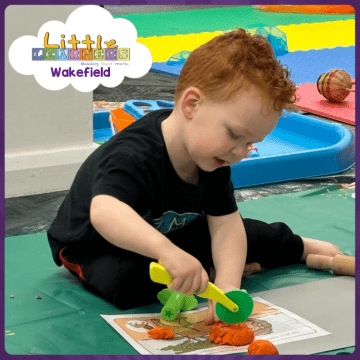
column 262, row 347
column 334, row 85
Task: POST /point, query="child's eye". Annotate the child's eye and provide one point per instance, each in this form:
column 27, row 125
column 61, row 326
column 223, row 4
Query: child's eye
column 232, row 135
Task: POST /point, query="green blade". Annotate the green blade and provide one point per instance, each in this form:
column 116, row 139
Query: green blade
column 245, row 303
column 164, row 296
column 169, row 313
column 189, row 303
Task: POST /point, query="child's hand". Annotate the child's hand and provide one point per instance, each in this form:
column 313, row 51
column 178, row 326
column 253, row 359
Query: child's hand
column 188, row 274
column 211, row 314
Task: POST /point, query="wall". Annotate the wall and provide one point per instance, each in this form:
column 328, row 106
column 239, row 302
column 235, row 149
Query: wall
column 48, row 134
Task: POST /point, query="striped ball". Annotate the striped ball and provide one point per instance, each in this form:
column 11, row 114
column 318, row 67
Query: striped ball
column 334, row 85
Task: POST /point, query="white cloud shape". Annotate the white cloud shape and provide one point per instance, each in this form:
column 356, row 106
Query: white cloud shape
column 87, row 20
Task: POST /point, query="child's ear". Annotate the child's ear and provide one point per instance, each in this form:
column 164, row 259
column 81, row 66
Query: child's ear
column 190, row 100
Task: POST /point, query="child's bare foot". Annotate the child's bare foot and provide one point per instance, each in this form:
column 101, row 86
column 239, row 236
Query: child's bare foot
column 319, row 247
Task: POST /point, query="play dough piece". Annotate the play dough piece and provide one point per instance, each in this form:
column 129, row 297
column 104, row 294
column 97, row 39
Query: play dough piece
column 231, row 334
column 262, row 347
column 161, row 333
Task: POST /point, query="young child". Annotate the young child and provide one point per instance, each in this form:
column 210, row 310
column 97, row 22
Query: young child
column 160, row 190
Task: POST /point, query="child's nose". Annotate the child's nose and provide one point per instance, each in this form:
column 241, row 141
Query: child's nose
column 240, row 152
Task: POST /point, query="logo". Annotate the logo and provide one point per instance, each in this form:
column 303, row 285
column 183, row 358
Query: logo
column 53, row 52
column 171, row 221
column 91, row 48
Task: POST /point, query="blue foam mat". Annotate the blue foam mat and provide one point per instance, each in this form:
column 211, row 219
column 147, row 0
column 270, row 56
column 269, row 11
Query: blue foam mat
column 305, row 66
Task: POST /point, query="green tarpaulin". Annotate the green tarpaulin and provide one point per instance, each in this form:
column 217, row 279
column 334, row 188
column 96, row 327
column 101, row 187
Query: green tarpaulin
column 48, row 312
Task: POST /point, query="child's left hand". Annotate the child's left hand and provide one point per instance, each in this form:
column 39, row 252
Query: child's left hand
column 211, row 314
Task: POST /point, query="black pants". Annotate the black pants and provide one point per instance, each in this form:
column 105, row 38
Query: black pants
column 122, row 277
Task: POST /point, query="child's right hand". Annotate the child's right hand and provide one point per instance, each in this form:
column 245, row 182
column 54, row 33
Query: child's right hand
column 188, row 274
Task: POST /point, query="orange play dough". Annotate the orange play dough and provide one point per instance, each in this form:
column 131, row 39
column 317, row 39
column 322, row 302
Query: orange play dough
column 262, row 347
column 161, row 333
column 231, row 334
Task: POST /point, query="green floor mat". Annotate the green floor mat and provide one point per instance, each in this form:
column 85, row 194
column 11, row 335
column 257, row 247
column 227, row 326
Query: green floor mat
column 47, row 312
column 213, row 19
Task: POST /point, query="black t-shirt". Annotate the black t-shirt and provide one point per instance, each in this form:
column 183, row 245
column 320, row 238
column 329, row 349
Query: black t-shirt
column 134, row 167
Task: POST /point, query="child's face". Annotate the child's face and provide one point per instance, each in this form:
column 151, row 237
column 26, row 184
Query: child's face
column 220, row 134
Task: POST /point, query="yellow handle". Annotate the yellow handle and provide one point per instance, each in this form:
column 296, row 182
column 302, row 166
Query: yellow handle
column 214, row 293
column 160, row 275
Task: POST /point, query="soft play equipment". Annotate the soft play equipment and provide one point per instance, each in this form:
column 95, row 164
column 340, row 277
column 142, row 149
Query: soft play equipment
column 276, row 37
column 312, row 38
column 151, row 26
column 139, row 108
column 119, row 120
column 310, row 100
column 102, row 129
column 305, row 66
column 302, row 37
column 308, row 9
column 299, row 147
column 108, row 122
column 178, row 59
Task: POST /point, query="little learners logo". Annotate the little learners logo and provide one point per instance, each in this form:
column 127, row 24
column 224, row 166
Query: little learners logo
column 53, row 52
column 91, row 48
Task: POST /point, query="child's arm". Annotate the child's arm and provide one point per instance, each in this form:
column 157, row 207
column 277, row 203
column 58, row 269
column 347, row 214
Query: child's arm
column 229, row 248
column 123, row 227
column 119, row 224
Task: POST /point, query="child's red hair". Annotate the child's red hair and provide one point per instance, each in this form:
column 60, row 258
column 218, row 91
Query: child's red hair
column 233, row 60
